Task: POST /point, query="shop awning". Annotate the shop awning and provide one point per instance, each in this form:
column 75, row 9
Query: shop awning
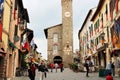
column 102, row 47
column 115, row 52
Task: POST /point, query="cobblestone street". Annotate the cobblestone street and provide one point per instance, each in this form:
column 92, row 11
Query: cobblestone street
column 68, row 75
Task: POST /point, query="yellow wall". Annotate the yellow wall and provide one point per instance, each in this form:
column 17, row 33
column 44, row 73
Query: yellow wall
column 6, row 20
column 6, row 23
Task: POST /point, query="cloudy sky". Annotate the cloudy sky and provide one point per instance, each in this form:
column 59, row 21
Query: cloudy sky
column 47, row 13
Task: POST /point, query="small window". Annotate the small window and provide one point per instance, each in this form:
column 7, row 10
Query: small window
column 55, row 38
column 55, row 49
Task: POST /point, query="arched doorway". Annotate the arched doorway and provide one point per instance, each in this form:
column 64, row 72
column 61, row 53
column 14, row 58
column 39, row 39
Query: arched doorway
column 57, row 59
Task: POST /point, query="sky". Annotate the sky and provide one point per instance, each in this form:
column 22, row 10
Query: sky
column 47, row 13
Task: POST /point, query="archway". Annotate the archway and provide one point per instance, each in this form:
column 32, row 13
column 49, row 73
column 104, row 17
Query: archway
column 57, row 59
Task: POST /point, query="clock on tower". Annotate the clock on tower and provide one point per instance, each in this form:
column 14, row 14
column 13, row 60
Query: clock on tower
column 67, row 14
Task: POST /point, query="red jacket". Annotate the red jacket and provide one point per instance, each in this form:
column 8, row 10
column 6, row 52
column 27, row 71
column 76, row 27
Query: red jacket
column 52, row 65
column 60, row 65
column 33, row 69
column 109, row 77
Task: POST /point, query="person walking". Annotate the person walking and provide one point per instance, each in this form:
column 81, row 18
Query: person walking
column 52, row 66
column 33, row 68
column 87, row 68
column 61, row 67
column 56, row 66
column 30, row 73
column 45, row 71
column 41, row 69
column 113, row 69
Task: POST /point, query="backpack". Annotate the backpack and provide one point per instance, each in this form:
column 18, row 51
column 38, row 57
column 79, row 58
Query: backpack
column 85, row 64
column 41, row 68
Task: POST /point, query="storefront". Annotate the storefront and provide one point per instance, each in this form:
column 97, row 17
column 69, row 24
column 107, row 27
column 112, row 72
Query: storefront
column 115, row 52
column 115, row 57
column 57, row 59
column 102, row 55
column 102, row 59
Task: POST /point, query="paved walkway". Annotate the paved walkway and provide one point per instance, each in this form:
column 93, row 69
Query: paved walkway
column 68, row 74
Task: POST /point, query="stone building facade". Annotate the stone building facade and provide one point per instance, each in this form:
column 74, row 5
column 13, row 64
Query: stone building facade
column 85, row 37
column 103, row 35
column 60, row 37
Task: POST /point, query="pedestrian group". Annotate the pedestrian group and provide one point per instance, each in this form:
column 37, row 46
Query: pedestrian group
column 42, row 69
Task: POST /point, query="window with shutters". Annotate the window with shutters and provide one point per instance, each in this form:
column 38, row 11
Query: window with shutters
column 97, row 41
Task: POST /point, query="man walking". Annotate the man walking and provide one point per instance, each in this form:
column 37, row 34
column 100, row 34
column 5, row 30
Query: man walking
column 87, row 68
column 41, row 68
column 61, row 66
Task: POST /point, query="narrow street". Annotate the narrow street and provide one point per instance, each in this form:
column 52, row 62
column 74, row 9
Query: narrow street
column 68, row 75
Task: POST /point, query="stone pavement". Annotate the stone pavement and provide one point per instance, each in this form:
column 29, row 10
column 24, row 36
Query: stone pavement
column 68, row 74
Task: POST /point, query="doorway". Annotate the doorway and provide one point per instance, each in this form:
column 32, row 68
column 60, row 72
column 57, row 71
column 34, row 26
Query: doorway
column 57, row 59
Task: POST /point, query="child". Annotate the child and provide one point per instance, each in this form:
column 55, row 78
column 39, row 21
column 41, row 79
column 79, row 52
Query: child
column 109, row 77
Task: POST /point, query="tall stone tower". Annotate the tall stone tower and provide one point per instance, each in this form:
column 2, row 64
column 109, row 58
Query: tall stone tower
column 67, row 32
column 60, row 37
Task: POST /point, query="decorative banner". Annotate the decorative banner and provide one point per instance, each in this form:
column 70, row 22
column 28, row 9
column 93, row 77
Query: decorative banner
column 116, row 34
column 1, row 9
column 0, row 31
